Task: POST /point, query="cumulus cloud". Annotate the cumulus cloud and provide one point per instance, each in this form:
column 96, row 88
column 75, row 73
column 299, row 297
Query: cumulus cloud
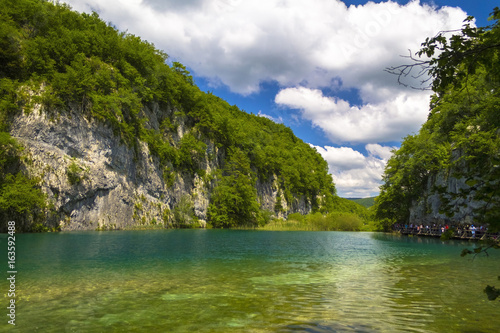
column 278, row 120
column 243, row 43
column 385, row 121
column 356, row 175
column 382, row 152
column 307, row 47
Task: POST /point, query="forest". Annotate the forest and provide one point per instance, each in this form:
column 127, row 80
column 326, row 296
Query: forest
column 55, row 57
column 460, row 139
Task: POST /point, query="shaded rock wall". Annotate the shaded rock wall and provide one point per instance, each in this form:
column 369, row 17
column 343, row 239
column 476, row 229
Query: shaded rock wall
column 448, row 197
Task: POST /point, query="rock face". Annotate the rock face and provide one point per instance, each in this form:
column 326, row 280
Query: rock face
column 430, row 208
column 448, row 197
column 95, row 181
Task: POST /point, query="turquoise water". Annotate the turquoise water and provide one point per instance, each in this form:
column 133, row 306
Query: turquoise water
column 248, row 281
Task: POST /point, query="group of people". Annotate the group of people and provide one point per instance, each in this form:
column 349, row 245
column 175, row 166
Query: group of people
column 459, row 230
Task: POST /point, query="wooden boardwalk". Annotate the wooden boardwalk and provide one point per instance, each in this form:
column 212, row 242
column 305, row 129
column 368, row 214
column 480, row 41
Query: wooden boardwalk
column 478, row 234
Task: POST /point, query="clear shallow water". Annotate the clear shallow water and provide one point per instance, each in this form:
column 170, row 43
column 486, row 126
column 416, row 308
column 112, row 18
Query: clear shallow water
column 248, row 281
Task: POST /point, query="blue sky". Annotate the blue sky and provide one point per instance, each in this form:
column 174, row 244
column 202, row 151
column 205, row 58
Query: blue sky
column 316, row 66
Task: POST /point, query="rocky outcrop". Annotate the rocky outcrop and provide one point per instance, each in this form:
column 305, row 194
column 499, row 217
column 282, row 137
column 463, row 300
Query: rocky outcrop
column 93, row 180
column 449, row 197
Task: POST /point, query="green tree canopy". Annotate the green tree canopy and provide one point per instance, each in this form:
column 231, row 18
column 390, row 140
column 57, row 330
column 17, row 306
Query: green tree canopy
column 462, row 133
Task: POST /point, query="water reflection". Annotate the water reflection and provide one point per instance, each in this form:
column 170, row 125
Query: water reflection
column 223, row 281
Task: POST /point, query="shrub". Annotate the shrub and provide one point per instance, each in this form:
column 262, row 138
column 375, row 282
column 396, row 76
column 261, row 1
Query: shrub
column 344, row 221
column 296, row 216
column 74, row 173
column 184, row 216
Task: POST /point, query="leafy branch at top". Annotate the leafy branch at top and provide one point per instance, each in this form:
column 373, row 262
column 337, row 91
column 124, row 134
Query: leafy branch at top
column 450, row 60
column 461, row 137
column 421, row 67
column 492, row 292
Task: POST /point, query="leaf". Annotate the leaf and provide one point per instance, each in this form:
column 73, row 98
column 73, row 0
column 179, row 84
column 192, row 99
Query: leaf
column 492, row 292
column 478, row 249
column 465, row 252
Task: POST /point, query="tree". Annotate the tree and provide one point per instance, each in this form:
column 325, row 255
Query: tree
column 462, row 133
column 234, row 200
column 451, row 60
column 20, row 196
column 66, row 61
column 464, row 118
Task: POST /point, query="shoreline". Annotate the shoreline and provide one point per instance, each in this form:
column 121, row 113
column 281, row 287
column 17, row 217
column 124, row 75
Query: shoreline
column 461, row 233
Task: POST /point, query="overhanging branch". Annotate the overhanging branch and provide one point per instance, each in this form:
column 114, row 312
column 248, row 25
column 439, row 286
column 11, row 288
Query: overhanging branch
column 421, row 67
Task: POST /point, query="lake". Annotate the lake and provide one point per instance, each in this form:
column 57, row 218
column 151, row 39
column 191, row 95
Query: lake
column 248, row 281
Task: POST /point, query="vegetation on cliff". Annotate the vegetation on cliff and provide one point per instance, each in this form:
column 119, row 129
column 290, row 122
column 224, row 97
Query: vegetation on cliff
column 19, row 195
column 462, row 134
column 57, row 59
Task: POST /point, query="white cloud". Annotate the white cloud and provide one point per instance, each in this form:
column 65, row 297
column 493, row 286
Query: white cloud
column 243, row 43
column 382, row 152
column 385, row 121
column 305, row 46
column 356, row 175
column 278, row 120
column 308, row 45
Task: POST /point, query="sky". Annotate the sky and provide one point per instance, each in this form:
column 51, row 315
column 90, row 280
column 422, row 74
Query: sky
column 316, row 66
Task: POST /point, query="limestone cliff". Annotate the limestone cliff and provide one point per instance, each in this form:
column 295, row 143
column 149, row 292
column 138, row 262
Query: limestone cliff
column 116, row 135
column 119, row 186
column 451, row 196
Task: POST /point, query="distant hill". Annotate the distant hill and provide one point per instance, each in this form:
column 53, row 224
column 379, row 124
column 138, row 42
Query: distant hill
column 366, row 202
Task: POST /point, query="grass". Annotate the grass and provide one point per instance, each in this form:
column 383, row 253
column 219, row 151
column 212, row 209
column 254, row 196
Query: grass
column 291, row 225
column 335, row 221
